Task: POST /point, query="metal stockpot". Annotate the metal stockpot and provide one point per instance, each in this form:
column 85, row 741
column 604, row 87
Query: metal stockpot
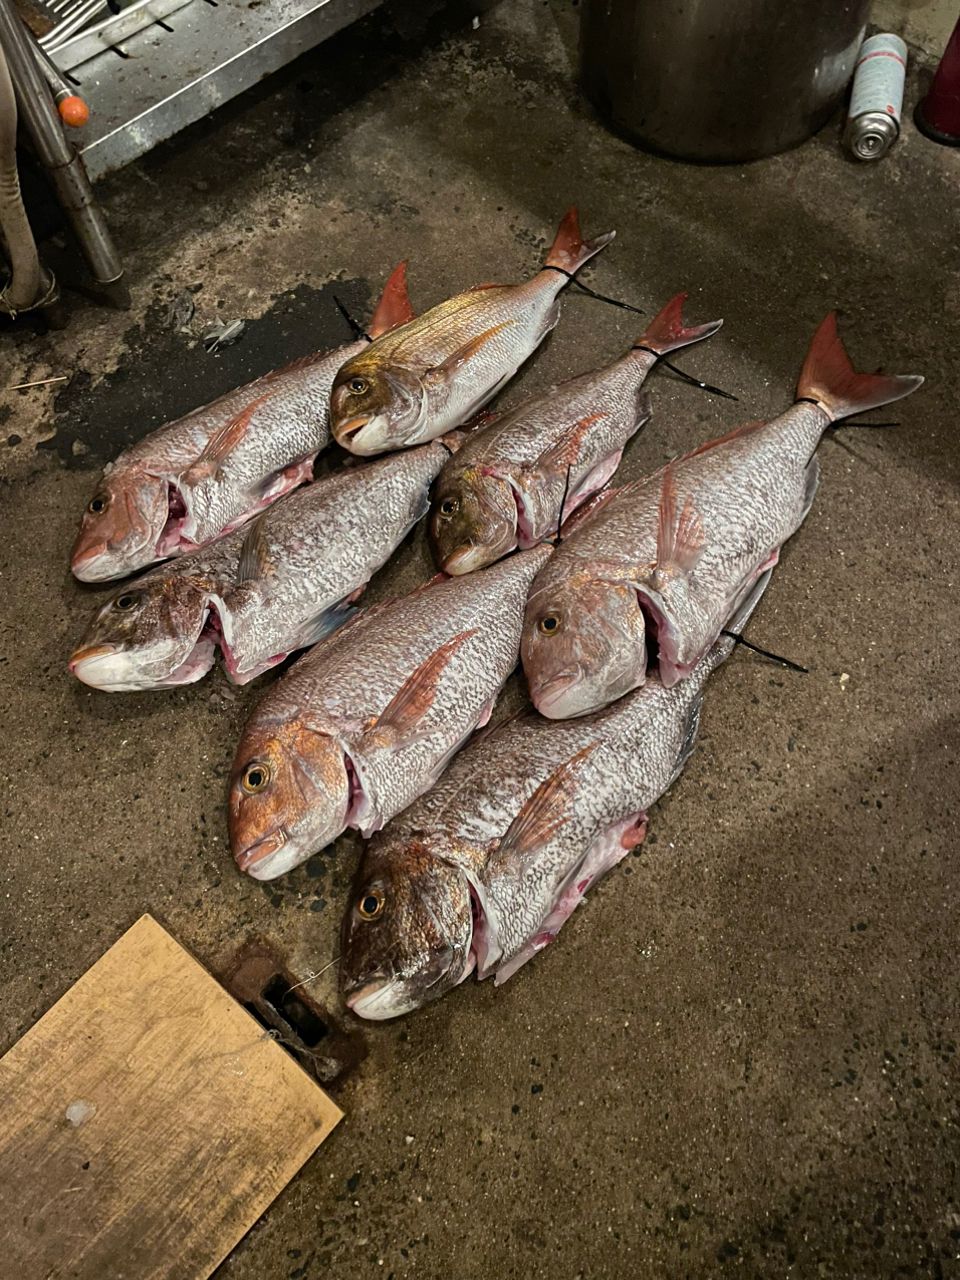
column 719, row 80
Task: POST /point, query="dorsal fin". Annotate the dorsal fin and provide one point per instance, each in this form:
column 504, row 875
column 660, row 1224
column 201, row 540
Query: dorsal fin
column 745, row 429
column 394, row 307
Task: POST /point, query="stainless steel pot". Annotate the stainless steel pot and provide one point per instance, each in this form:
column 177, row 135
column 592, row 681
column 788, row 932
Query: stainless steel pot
column 719, row 80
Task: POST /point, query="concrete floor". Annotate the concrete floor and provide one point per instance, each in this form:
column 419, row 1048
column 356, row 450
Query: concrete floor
column 742, row 1052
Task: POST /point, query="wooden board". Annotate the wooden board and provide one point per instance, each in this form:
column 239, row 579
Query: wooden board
column 146, row 1122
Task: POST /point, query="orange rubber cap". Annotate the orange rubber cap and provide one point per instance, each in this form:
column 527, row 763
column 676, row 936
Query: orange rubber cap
column 74, row 111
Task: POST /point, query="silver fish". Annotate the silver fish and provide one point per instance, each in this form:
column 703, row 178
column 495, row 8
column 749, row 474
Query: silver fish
column 162, row 629
column 670, row 557
column 436, row 372
column 483, row 871
column 204, row 474
column 367, row 722
column 302, row 563
column 263, row 592
column 506, row 486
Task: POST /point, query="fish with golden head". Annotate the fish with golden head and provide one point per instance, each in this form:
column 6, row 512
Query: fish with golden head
column 434, row 373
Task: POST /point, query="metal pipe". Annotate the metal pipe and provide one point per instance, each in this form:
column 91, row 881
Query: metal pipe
column 57, row 156
column 24, row 284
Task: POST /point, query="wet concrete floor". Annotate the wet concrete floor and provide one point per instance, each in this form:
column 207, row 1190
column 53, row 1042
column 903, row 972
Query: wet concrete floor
column 741, row 1054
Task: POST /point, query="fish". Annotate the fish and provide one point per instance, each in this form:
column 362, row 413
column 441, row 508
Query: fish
column 303, row 563
column 481, row 873
column 506, row 486
column 206, row 473
column 651, row 577
column 436, row 372
column 262, row 592
column 368, row 720
column 161, row 630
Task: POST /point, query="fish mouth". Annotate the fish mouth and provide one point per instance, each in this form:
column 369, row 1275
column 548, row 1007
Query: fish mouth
column 380, row 999
column 466, row 559
column 83, row 662
column 268, row 857
column 347, row 430
column 562, row 696
column 102, row 563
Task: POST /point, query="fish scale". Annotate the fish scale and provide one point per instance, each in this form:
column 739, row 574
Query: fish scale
column 196, row 478
column 751, row 494
column 343, row 689
column 318, row 547
column 432, row 374
column 290, row 425
column 273, row 588
column 638, row 743
column 654, row 573
column 511, row 482
column 527, row 432
column 355, row 676
column 425, row 938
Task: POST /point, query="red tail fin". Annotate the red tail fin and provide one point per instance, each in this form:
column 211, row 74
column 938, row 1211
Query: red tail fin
column 394, row 306
column 569, row 250
column 829, row 378
column 666, row 331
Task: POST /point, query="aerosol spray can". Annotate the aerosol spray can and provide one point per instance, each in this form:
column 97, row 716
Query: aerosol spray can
column 873, row 125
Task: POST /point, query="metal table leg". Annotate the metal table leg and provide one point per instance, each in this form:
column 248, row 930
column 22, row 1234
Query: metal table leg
column 59, row 158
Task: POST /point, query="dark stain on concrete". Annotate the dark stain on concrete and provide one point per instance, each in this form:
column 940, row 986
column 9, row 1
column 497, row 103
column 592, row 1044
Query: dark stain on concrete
column 165, row 373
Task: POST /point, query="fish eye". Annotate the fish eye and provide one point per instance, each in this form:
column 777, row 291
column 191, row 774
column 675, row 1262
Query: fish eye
column 98, row 504
column 358, row 386
column 549, row 624
column 449, row 506
column 371, row 905
column 255, row 778
column 129, row 600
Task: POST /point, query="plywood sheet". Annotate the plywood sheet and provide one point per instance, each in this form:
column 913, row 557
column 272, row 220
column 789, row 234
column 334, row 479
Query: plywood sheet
column 146, row 1122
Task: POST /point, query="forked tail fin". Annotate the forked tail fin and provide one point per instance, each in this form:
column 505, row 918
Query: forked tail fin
column 830, row 379
column 667, row 332
column 569, row 250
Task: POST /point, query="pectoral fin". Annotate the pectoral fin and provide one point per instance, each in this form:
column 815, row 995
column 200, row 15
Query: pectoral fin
column 545, row 812
column 460, row 357
column 566, row 452
column 221, row 444
column 255, row 560
column 680, row 537
column 403, row 714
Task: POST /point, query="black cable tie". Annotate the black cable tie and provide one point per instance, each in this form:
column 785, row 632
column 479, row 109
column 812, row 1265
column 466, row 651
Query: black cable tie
column 357, row 328
column 584, row 288
column 765, row 653
column 687, row 377
column 626, row 306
